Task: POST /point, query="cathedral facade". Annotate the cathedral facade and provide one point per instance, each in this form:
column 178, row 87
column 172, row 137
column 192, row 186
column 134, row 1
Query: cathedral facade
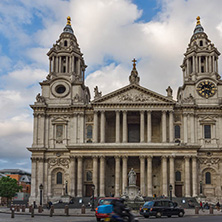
column 80, row 144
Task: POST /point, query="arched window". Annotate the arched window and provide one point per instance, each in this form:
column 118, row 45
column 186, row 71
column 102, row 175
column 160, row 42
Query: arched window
column 59, row 178
column 178, row 176
column 177, row 131
column 208, row 177
column 201, row 43
column 65, row 43
column 89, row 176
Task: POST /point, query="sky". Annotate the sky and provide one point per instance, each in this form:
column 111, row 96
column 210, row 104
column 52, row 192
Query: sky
column 110, row 34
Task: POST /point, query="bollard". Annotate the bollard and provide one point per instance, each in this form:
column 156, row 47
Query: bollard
column 40, row 209
column 23, row 208
column 51, row 212
column 52, row 207
column 67, row 210
column 211, row 210
column 17, row 208
column 196, row 210
column 13, row 213
column 11, row 206
column 30, row 208
column 83, row 209
column 32, row 213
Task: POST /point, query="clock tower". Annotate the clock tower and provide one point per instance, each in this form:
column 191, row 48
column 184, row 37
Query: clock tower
column 201, row 81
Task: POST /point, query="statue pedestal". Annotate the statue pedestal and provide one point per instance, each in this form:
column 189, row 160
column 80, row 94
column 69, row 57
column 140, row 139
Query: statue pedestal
column 132, row 191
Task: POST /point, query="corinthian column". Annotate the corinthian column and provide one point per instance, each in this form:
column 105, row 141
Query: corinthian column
column 79, row 177
column 192, row 128
column 142, row 126
column 164, row 126
column 164, row 175
column 102, row 176
column 72, row 176
column 124, row 173
column 149, row 126
column 187, row 176
column 117, row 176
column 149, row 177
column 172, row 175
column 185, row 127
column 142, row 175
column 95, row 175
column 95, row 127
column 102, row 128
column 171, row 132
column 124, row 126
column 194, row 175
column 117, row 126
column 33, row 184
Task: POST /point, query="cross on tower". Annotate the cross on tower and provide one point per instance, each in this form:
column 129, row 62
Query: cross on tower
column 134, row 63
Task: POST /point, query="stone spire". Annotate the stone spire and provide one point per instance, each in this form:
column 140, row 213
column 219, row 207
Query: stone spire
column 134, row 78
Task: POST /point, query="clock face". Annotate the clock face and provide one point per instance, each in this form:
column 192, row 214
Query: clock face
column 206, row 89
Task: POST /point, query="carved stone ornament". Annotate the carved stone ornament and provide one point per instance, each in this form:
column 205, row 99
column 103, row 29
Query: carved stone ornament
column 136, row 98
column 40, row 99
column 59, row 162
column 97, row 93
column 189, row 99
column 209, row 161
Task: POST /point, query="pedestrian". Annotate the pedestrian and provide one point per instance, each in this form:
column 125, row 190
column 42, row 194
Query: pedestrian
column 218, row 206
column 201, row 206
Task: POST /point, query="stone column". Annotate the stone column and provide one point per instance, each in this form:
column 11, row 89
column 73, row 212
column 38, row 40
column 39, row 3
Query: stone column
column 82, row 128
column 35, row 130
column 124, row 179
column 117, row 126
column 196, row 65
column 42, row 129
column 67, row 64
column 142, row 175
column 95, row 175
column 188, row 66
column 102, row 176
column 75, row 130
column 117, row 176
column 40, row 174
column 125, row 139
column 79, row 176
column 95, row 127
column 192, row 131
column 49, row 184
column 142, row 126
column 149, row 177
column 207, row 58
column 50, row 65
column 171, row 131
column 185, row 128
column 199, row 64
column 187, row 176
column 164, row 175
column 210, row 64
column 33, row 177
column 149, row 127
column 102, row 127
column 60, row 64
column 163, row 126
column 194, row 175
column 72, row 176
column 172, row 174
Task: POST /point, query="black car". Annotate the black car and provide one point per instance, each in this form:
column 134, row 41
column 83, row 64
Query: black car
column 160, row 208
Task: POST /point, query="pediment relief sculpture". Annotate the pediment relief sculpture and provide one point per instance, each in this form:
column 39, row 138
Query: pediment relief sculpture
column 59, row 162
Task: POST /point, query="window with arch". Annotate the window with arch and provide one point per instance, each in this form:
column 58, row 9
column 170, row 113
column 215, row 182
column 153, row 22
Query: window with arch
column 201, row 43
column 208, row 178
column 59, row 178
column 65, row 43
column 89, row 176
column 177, row 131
column 89, row 132
column 178, row 176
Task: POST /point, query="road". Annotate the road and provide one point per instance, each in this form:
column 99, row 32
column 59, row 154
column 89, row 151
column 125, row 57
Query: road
column 22, row 218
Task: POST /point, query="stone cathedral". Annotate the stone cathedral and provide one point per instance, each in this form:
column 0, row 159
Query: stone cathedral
column 79, row 142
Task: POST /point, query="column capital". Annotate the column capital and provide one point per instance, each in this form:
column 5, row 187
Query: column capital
column 95, row 156
column 124, row 111
column 79, row 157
column 164, row 111
column 187, row 157
column 172, row 156
column 117, row 111
column 194, row 157
column 149, row 111
column 72, row 157
column 142, row 112
column 124, row 157
column 102, row 156
column 150, row 157
column 102, row 111
column 171, row 111
column 95, row 111
column 117, row 157
column 164, row 157
column 142, row 157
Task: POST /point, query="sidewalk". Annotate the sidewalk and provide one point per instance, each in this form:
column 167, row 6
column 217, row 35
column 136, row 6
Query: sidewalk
column 89, row 213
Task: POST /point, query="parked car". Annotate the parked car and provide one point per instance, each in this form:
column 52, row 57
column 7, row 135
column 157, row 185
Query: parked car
column 160, row 208
column 102, row 201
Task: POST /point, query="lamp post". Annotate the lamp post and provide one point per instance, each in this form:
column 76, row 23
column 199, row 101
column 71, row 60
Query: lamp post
column 40, row 188
column 170, row 188
column 93, row 188
column 201, row 187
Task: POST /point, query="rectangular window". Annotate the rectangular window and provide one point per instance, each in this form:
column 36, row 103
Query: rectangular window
column 207, row 131
column 59, row 132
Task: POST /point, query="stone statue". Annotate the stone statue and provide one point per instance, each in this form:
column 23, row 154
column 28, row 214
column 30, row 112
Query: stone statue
column 97, row 93
column 169, row 92
column 40, row 99
column 132, row 177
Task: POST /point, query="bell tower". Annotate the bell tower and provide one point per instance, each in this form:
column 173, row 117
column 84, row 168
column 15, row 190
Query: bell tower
column 66, row 77
column 200, row 70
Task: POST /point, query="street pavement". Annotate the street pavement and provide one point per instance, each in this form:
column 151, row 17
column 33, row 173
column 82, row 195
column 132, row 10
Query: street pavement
column 75, row 215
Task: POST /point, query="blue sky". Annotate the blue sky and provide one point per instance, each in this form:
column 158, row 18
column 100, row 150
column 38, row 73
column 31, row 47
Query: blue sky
column 110, row 34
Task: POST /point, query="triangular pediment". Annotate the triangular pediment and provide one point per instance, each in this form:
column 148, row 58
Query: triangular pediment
column 59, row 120
column 133, row 93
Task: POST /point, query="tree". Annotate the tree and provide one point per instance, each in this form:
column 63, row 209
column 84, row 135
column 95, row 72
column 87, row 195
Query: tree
column 9, row 187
